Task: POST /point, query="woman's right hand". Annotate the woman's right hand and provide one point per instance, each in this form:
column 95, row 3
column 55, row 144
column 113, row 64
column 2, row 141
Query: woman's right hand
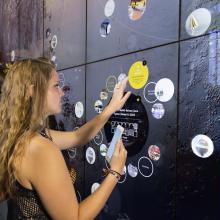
column 119, row 157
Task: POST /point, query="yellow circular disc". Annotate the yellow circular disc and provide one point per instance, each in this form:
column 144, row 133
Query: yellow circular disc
column 138, row 75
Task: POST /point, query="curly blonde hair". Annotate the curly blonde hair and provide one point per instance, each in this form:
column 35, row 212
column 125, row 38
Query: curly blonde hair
column 21, row 114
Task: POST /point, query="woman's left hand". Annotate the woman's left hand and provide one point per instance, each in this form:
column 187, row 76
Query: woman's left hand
column 119, row 98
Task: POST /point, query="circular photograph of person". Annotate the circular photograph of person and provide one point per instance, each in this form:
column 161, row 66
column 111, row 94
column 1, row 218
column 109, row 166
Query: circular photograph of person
column 202, row 146
column 103, row 149
column 154, row 152
column 164, row 90
column 198, row 22
column 98, row 106
column 133, row 118
column 105, row 28
column 158, row 110
column 90, row 155
column 136, row 9
column 79, row 109
column 109, row 8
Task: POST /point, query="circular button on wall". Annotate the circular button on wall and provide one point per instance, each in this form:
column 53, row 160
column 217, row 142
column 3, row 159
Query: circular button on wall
column 138, row 75
column 202, row 146
column 158, row 110
column 198, row 22
column 109, row 8
column 136, row 9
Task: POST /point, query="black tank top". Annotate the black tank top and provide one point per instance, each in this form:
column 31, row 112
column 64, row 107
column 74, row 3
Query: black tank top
column 26, row 203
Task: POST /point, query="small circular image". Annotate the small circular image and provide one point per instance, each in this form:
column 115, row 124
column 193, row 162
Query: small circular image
column 98, row 106
column 94, row 187
column 138, row 75
column 136, row 9
column 98, row 138
column 154, row 152
column 149, row 92
column 12, row 56
column 103, row 149
column 198, row 22
column 53, row 42
column 90, row 155
column 79, row 109
column 72, row 153
column 110, row 83
column 202, row 146
column 124, row 175
column 121, row 77
column 158, row 110
column 109, row 8
column 145, row 167
column 132, row 170
column 103, row 94
column 105, row 28
column 164, row 90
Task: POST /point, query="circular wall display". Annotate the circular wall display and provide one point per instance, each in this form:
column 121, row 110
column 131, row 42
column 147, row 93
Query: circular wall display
column 53, row 42
column 103, row 149
column 105, row 28
column 145, row 167
column 132, row 170
column 133, row 118
column 94, row 187
column 198, row 22
column 121, row 77
column 138, row 74
column 164, row 90
column 98, row 138
column 98, row 106
column 136, row 9
column 103, row 94
column 110, row 83
column 109, row 8
column 124, row 175
column 154, row 152
column 72, row 153
column 202, row 146
column 158, row 110
column 90, row 155
column 149, row 92
column 79, row 109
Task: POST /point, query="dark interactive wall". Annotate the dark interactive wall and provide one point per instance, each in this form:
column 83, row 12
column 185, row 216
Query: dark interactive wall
column 170, row 51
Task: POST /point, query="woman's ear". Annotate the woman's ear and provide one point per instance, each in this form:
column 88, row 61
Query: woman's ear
column 31, row 90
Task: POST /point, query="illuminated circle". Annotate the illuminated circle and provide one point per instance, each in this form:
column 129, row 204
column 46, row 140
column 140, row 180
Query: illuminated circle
column 90, row 155
column 198, row 22
column 121, row 77
column 79, row 109
column 53, row 42
column 202, row 146
column 94, row 187
column 103, row 94
column 154, row 152
column 124, row 175
column 98, row 106
column 98, row 138
column 145, row 167
column 136, row 9
column 105, row 28
column 164, row 90
column 103, row 149
column 149, row 92
column 72, row 153
column 110, row 83
column 133, row 118
column 158, row 110
column 132, row 170
column 138, row 75
column 109, row 8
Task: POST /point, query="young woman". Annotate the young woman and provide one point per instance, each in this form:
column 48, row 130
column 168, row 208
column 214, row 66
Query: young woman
column 33, row 174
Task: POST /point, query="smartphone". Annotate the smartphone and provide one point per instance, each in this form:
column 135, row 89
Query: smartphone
column 117, row 135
